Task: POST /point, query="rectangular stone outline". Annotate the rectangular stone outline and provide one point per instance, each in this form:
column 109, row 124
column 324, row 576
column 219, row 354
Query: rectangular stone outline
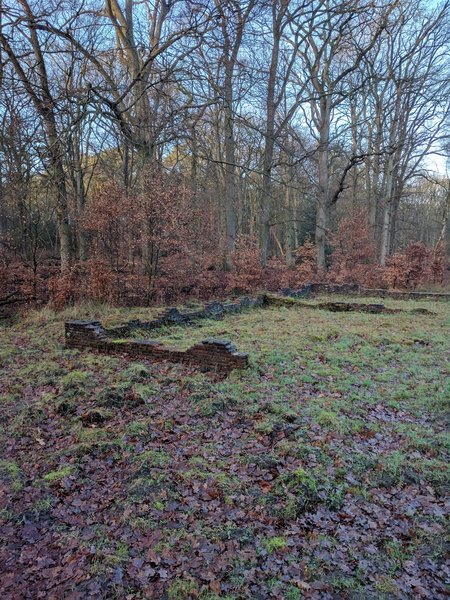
column 354, row 289
column 210, row 354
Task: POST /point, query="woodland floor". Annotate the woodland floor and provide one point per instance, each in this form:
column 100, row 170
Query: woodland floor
column 320, row 472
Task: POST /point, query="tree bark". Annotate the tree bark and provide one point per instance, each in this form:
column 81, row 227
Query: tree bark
column 230, row 168
column 266, row 192
column 45, row 106
column 324, row 186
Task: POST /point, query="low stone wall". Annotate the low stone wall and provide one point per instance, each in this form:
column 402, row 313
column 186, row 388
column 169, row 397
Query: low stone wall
column 349, row 289
column 172, row 316
column 219, row 355
column 342, row 306
column 397, row 295
column 210, row 354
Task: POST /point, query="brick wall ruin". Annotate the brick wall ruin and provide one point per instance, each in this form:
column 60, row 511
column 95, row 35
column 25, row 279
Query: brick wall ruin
column 293, row 301
column 172, row 316
column 350, row 289
column 210, row 354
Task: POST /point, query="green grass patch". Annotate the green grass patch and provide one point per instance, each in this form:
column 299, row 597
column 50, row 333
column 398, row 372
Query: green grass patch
column 58, row 474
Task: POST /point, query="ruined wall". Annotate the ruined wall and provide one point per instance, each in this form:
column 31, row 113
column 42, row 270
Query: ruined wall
column 210, row 354
column 172, row 316
column 290, row 301
column 349, row 289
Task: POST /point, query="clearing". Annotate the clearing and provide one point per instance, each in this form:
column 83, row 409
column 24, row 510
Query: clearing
column 319, row 472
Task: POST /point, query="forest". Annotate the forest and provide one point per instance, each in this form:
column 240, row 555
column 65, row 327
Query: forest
column 159, row 150
column 224, row 299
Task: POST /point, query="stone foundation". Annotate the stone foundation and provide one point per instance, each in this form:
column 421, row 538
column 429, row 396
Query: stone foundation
column 208, row 355
column 349, row 289
column 342, row 306
column 172, row 316
column 220, row 355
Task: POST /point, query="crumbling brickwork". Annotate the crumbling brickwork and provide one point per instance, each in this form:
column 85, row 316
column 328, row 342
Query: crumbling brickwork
column 173, row 316
column 275, row 300
column 210, row 354
column 350, row 289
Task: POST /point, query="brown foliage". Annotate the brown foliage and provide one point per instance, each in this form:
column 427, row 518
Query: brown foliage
column 305, row 256
column 439, row 263
column 353, row 256
column 410, row 268
column 149, row 246
column 247, row 274
column 278, row 275
column 108, row 221
column 157, row 245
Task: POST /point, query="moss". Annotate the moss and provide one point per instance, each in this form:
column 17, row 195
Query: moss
column 66, row 407
column 136, row 372
column 182, row 589
column 95, row 416
column 387, row 586
column 75, row 378
column 328, row 419
column 59, row 474
column 274, row 543
column 226, row 483
column 267, row 424
column 93, row 435
column 42, row 506
column 144, row 392
column 93, row 441
column 147, row 486
column 137, row 428
column 159, row 505
column 153, row 459
column 12, row 474
column 122, row 395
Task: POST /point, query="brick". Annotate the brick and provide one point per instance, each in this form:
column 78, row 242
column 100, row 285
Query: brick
column 211, row 354
column 356, row 290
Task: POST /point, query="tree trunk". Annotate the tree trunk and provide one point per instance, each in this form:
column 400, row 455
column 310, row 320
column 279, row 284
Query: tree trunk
column 394, row 220
column 385, row 234
column 266, row 191
column 387, row 209
column 78, row 183
column 288, row 228
column 323, row 197
column 230, row 170
column 59, row 178
column 62, row 215
column 45, row 106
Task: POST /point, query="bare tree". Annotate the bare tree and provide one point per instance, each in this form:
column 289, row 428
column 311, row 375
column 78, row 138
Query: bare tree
column 283, row 13
column 25, row 49
column 232, row 19
column 336, row 40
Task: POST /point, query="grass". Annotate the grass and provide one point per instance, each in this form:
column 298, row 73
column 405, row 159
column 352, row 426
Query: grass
column 329, row 452
column 58, row 474
column 274, row 544
column 11, row 473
